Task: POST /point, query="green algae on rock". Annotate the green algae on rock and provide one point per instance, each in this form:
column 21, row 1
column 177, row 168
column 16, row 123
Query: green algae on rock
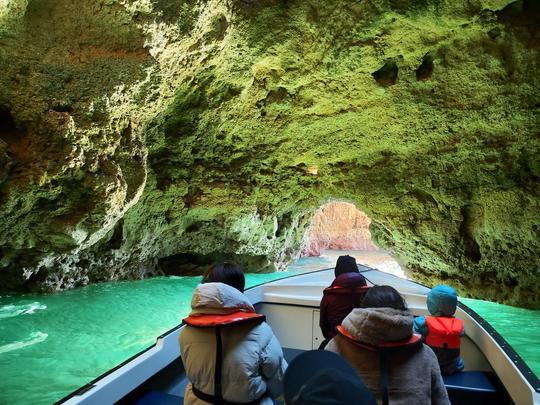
column 147, row 137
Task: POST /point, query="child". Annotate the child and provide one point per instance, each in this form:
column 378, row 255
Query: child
column 442, row 331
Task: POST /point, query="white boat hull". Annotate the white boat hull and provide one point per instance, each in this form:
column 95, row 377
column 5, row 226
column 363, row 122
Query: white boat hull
column 294, row 301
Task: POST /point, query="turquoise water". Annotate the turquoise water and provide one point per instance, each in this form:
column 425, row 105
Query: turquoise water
column 52, row 344
column 519, row 326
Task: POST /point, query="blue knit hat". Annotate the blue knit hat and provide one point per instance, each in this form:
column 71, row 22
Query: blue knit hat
column 442, row 301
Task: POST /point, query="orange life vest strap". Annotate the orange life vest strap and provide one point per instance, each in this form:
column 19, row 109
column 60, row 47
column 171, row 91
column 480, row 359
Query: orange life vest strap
column 414, row 340
column 444, row 332
column 212, row 320
column 338, row 289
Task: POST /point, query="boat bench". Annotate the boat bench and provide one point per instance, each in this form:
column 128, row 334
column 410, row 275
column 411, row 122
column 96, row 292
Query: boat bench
column 474, row 387
column 467, row 387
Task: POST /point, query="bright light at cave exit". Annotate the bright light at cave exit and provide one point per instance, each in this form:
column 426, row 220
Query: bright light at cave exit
column 340, row 228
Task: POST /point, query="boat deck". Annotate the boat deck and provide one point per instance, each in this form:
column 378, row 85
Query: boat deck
column 493, row 374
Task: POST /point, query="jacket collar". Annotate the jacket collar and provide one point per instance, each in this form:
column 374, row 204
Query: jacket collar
column 349, row 280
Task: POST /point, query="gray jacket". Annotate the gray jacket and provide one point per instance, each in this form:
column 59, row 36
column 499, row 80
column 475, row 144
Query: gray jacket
column 253, row 361
column 414, row 376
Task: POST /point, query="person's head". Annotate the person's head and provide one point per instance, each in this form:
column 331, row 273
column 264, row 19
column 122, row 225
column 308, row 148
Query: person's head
column 345, row 264
column 226, row 273
column 322, row 377
column 383, row 296
column 442, row 301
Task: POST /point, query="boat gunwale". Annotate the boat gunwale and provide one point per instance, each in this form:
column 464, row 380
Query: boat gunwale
column 519, row 363
column 91, row 384
column 506, row 347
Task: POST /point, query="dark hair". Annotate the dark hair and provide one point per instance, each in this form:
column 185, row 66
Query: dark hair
column 345, row 264
column 227, row 273
column 383, row 296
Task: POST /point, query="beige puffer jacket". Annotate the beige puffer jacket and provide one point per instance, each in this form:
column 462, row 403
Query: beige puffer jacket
column 253, row 361
column 414, row 376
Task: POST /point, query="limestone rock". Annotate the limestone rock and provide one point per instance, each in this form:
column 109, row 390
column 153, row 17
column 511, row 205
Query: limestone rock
column 142, row 137
column 338, row 226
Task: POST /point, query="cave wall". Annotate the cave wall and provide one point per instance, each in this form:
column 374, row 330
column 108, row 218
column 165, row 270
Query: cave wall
column 136, row 132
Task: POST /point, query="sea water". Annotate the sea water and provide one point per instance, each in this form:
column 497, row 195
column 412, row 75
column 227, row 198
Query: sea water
column 52, row 344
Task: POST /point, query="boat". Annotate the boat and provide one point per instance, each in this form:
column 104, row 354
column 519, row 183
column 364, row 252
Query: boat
column 494, row 372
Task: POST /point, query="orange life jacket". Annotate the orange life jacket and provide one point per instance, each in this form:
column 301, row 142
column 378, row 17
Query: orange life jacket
column 213, row 320
column 414, row 340
column 444, row 332
column 338, row 289
column 219, row 321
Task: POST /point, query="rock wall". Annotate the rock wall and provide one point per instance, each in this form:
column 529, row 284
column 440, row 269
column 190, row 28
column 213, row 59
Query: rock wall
column 338, row 226
column 143, row 137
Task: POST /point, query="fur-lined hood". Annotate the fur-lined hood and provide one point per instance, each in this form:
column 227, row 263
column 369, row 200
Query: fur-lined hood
column 377, row 325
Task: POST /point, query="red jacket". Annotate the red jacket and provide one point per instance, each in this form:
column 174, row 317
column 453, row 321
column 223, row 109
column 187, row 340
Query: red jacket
column 344, row 294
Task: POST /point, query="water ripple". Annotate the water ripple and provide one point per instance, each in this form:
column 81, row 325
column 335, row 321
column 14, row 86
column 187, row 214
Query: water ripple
column 9, row 311
column 34, row 338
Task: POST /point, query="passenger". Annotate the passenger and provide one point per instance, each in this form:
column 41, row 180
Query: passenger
column 230, row 354
column 345, row 293
column 320, row 377
column 442, row 330
column 378, row 341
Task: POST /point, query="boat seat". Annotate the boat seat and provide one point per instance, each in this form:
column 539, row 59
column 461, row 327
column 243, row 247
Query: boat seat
column 159, row 398
column 473, row 387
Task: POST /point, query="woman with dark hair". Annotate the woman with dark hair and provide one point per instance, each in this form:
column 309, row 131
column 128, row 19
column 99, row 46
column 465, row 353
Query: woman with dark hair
column 226, row 272
column 378, row 340
column 384, row 296
column 342, row 296
column 229, row 352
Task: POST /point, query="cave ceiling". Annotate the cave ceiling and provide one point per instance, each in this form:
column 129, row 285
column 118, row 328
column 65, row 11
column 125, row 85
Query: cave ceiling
column 140, row 136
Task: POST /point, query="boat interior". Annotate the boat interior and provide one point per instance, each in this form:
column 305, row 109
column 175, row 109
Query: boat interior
column 491, row 373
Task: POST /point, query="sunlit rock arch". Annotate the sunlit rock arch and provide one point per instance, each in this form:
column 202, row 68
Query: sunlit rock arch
column 338, row 225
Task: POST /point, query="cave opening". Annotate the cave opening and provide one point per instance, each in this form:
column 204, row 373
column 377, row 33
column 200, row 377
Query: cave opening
column 185, row 263
column 193, row 264
column 387, row 75
column 425, row 70
column 7, row 124
column 340, row 228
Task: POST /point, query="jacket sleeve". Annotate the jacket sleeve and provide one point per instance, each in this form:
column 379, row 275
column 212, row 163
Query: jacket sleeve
column 273, row 367
column 323, row 318
column 462, row 331
column 420, row 325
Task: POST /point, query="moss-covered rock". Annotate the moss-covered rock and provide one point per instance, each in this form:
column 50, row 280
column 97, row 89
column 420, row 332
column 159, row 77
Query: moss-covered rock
column 142, row 137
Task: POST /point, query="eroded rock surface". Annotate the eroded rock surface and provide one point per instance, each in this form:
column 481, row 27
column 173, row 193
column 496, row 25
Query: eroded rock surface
column 144, row 137
column 338, row 226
